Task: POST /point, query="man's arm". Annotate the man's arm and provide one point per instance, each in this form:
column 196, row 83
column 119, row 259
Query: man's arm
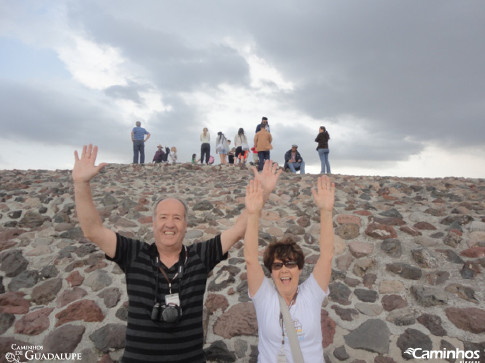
column 148, row 136
column 132, row 135
column 268, row 179
column 89, row 219
column 324, row 196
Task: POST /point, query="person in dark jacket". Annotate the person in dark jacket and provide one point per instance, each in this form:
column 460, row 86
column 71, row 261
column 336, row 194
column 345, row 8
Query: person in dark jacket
column 165, row 156
column 294, row 161
column 264, row 123
column 322, row 148
column 159, row 155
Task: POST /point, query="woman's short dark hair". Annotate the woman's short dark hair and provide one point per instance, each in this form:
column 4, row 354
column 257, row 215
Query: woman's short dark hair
column 284, row 251
column 241, row 131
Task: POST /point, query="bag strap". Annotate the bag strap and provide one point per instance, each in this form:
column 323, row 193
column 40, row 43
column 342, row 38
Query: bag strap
column 290, row 330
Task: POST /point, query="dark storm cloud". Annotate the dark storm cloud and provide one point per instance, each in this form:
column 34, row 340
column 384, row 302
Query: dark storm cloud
column 412, row 70
column 52, row 116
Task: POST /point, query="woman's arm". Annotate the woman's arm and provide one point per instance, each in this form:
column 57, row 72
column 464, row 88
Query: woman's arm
column 267, row 180
column 324, row 196
column 254, row 204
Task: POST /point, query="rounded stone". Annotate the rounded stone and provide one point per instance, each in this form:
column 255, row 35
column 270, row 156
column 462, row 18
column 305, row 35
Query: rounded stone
column 347, row 231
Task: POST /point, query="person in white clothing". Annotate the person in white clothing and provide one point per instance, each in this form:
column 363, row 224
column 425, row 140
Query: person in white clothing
column 241, row 145
column 285, row 261
column 205, row 148
column 221, row 147
column 173, row 155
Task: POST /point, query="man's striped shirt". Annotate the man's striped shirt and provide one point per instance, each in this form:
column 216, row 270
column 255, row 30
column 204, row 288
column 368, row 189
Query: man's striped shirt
column 153, row 341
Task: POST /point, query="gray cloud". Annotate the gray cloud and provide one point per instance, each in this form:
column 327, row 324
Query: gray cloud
column 409, row 70
column 169, row 56
column 407, row 74
column 130, row 92
column 412, row 70
column 41, row 113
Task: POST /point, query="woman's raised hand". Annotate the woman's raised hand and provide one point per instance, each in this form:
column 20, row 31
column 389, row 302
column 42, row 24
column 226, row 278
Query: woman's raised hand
column 324, row 193
column 268, row 176
column 254, row 197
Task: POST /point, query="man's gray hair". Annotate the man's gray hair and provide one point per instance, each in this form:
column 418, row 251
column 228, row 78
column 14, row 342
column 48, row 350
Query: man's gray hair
column 138, row 123
column 186, row 209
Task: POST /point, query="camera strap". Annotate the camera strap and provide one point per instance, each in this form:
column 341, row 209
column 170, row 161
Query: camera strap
column 179, row 272
column 168, row 280
column 285, row 318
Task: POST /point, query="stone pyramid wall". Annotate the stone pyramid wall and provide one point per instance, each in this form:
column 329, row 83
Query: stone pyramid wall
column 408, row 268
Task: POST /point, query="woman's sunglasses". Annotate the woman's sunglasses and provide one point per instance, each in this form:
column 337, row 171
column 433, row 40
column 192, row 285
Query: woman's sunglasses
column 287, row 264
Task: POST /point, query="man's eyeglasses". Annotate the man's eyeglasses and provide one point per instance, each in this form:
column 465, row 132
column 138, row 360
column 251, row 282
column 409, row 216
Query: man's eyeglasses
column 287, row 264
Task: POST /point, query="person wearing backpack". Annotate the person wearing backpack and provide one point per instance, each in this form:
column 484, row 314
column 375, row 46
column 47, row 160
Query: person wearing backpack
column 241, row 145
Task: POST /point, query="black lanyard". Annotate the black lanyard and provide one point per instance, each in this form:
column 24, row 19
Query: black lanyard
column 179, row 272
column 168, row 280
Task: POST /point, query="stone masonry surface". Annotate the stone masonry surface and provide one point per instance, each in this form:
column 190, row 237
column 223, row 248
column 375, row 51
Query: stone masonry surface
column 408, row 269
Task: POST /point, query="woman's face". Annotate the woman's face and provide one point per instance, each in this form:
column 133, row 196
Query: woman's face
column 205, row 130
column 286, row 278
column 320, row 129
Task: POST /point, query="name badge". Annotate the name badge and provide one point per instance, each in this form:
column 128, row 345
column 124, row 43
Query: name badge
column 172, row 299
column 281, row 355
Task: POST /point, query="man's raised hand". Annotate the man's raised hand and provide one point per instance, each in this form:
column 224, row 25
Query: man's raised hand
column 84, row 167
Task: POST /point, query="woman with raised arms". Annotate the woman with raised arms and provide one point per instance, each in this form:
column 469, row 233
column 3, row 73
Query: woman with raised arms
column 285, row 262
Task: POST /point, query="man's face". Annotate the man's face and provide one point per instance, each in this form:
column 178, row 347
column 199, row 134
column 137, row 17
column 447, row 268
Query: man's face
column 293, row 149
column 169, row 224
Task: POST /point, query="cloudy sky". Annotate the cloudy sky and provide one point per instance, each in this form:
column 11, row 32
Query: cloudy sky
column 400, row 85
